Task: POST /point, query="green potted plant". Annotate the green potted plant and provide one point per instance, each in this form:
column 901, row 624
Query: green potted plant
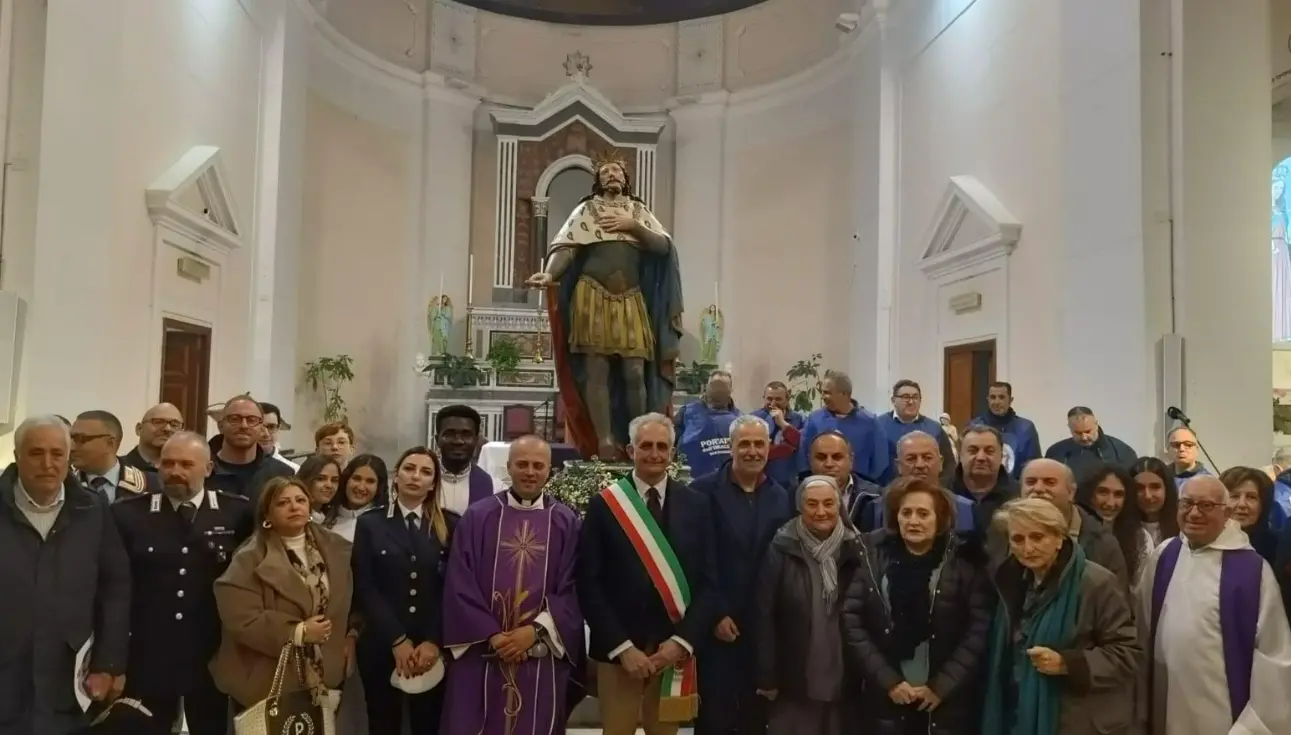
column 327, row 375
column 804, row 383
column 457, row 371
column 504, row 355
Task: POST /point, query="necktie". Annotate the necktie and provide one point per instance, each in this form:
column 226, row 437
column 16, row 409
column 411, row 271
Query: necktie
column 411, row 518
column 99, row 484
column 187, row 511
column 654, row 505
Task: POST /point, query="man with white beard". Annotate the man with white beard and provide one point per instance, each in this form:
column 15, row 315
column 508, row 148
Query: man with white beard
column 1220, row 653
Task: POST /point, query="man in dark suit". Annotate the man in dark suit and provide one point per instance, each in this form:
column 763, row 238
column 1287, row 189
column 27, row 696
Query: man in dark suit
column 644, row 626
column 747, row 510
column 179, row 541
column 96, row 439
column 65, row 578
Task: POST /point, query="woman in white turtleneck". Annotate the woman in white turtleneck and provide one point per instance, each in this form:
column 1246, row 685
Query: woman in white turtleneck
column 1158, row 499
column 321, row 475
column 289, row 585
column 364, row 486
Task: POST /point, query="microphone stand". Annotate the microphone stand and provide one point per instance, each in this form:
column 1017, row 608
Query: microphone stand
column 1187, row 424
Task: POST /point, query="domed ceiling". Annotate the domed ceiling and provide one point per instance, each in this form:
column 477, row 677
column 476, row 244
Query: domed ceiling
column 611, row 12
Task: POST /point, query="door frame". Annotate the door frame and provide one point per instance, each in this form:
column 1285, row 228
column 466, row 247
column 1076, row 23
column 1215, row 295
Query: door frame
column 966, row 345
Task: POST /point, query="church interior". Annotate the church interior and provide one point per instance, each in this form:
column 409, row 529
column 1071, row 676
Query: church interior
column 209, row 197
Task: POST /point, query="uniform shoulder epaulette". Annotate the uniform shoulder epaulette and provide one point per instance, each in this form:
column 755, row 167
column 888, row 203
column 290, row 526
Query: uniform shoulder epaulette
column 133, row 480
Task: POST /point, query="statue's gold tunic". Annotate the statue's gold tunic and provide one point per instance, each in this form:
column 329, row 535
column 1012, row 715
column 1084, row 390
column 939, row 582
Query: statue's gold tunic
column 608, row 312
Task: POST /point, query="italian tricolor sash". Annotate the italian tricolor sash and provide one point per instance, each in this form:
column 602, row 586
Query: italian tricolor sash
column 678, row 698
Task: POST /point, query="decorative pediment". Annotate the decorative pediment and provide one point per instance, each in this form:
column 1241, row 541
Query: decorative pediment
column 578, row 100
column 970, row 227
column 193, row 198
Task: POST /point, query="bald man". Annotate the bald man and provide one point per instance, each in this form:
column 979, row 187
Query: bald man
column 1219, row 647
column 158, row 424
column 1052, row 480
column 511, row 616
column 179, row 541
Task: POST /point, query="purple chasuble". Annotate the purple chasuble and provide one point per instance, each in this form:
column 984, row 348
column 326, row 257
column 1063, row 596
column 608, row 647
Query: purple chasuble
column 481, row 485
column 507, row 566
column 1239, row 612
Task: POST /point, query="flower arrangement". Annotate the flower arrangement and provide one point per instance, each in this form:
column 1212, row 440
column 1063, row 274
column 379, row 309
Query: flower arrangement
column 579, row 481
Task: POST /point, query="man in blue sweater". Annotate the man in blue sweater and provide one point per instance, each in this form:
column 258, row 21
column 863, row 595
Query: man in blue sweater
column 1021, row 442
column 907, row 399
column 870, row 452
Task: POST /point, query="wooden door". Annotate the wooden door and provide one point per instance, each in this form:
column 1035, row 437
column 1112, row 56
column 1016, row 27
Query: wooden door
column 970, row 369
column 186, row 370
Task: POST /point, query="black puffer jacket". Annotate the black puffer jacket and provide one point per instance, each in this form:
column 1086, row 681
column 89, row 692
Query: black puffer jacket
column 962, row 608
column 782, row 626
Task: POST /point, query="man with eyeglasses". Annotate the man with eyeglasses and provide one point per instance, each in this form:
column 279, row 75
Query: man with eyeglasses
column 1218, row 647
column 273, row 423
column 905, row 417
column 1182, row 445
column 242, row 466
column 159, row 423
column 96, row 438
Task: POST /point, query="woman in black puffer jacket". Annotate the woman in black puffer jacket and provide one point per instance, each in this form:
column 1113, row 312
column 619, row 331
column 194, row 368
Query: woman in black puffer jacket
column 916, row 618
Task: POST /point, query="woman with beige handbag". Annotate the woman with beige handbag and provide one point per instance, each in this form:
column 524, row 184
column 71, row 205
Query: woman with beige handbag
column 284, row 606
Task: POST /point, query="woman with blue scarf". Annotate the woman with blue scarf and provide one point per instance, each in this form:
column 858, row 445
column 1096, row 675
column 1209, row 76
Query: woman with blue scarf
column 1064, row 649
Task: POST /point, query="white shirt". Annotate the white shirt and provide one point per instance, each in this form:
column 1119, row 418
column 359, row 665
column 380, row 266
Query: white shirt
column 405, row 510
column 455, row 490
column 41, row 517
column 196, row 500
column 1188, row 652
column 346, row 519
column 113, row 476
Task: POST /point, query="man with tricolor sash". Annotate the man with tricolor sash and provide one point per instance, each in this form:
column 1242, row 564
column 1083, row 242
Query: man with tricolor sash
column 646, row 583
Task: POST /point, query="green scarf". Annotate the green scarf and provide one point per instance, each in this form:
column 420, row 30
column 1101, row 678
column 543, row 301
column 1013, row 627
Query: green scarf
column 1038, row 696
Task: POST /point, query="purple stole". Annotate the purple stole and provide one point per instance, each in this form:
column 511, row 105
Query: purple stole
column 481, row 484
column 1240, row 575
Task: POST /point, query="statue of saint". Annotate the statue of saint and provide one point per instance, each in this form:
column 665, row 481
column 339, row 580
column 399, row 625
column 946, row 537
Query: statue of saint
column 616, row 315
column 711, row 327
column 439, row 320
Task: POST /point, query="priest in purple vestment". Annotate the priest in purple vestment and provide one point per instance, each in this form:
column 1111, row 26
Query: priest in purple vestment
column 511, row 616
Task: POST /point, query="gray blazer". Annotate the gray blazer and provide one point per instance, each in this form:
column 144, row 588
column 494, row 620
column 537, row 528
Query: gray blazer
column 56, row 593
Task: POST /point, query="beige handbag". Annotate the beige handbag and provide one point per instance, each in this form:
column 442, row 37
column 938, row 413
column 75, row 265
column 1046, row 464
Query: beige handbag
column 293, row 713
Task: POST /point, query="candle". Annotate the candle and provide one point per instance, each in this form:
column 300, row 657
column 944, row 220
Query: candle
column 717, row 297
column 441, row 288
column 470, row 279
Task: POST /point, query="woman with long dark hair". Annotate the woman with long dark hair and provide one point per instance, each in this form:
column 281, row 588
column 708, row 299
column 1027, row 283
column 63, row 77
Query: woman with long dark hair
column 364, row 486
column 1157, row 498
column 1105, row 491
column 322, row 475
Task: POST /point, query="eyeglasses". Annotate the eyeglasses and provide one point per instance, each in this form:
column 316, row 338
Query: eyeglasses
column 166, row 424
column 1183, row 445
column 1205, row 506
column 271, row 428
column 907, row 397
column 87, row 438
column 234, row 419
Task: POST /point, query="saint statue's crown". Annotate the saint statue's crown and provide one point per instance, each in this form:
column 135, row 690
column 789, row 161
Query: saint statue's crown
column 606, row 157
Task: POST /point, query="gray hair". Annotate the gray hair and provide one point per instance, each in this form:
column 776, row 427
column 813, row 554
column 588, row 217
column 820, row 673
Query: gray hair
column 647, row 419
column 841, row 381
column 180, row 437
column 1282, row 457
column 1036, row 512
column 745, row 421
column 815, row 480
column 42, row 421
column 721, row 375
column 914, row 436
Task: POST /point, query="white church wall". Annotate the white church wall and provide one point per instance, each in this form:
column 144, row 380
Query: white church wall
column 978, row 97
column 152, row 80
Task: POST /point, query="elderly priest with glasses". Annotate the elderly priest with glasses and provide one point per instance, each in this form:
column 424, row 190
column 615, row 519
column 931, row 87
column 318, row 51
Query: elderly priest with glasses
column 1219, row 649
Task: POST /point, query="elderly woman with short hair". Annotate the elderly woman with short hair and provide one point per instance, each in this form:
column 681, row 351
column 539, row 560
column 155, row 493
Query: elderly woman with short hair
column 809, row 564
column 916, row 617
column 1064, row 649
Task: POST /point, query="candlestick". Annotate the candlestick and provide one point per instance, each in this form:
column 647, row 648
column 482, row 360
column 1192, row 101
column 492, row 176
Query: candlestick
column 470, row 279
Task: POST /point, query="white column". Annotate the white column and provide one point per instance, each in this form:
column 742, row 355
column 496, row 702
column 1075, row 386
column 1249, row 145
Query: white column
column 645, row 177
column 279, row 192
column 1100, row 313
column 699, row 207
column 69, row 342
column 441, row 252
column 504, row 250
column 1221, row 150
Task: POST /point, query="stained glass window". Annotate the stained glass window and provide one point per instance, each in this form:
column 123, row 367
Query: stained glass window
column 1281, row 253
